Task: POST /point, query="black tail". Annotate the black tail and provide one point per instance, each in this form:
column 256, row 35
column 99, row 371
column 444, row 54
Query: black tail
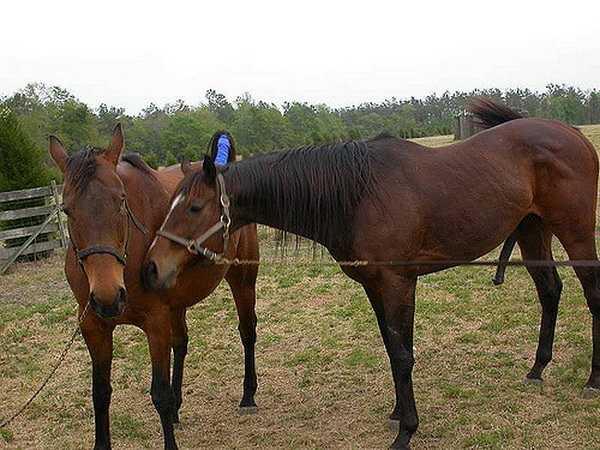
column 488, row 113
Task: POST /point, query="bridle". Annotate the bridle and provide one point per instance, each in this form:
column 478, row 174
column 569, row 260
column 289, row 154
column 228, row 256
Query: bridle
column 99, row 249
column 194, row 246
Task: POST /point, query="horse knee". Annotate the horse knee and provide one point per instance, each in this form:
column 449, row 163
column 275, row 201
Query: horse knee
column 163, row 398
column 404, row 362
column 247, row 332
column 180, row 349
column 549, row 290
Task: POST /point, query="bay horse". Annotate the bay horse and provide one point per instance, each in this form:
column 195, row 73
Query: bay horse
column 388, row 199
column 114, row 207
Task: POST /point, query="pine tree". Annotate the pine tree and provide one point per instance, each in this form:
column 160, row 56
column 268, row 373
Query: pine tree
column 22, row 165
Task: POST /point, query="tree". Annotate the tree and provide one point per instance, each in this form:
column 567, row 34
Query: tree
column 22, row 163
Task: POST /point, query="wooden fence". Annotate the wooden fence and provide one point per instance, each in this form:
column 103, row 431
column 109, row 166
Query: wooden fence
column 30, row 223
column 465, row 126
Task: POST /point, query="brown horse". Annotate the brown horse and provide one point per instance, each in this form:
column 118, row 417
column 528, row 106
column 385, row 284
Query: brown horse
column 114, row 209
column 388, row 199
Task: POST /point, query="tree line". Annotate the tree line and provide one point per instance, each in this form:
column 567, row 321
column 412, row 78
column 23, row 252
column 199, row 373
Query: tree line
column 165, row 134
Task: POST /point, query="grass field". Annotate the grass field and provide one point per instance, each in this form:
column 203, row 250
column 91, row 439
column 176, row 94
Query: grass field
column 324, row 379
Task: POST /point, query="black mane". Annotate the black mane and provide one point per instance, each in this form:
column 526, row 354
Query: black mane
column 313, row 191
column 136, row 161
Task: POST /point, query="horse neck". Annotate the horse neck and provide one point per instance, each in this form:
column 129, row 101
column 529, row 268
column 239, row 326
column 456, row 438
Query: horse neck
column 307, row 202
column 146, row 197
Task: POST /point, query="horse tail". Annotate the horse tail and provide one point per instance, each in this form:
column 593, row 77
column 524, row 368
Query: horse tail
column 488, row 113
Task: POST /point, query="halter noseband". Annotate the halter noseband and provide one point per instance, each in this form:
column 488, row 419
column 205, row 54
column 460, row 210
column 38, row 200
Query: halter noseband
column 119, row 254
column 194, row 246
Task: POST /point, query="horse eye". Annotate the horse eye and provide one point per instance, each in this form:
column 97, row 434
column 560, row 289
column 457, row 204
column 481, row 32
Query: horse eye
column 195, row 207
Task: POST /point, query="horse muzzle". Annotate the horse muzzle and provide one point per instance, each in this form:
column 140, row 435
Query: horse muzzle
column 108, row 311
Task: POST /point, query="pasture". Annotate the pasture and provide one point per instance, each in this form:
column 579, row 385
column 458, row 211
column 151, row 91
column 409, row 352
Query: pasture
column 324, row 379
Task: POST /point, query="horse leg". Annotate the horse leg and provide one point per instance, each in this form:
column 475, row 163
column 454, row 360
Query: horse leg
column 99, row 340
column 583, row 247
column 535, row 242
column 242, row 280
column 377, row 305
column 179, row 343
column 398, row 300
column 158, row 332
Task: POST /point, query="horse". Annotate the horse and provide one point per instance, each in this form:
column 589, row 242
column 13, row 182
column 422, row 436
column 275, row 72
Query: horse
column 387, row 199
column 114, row 206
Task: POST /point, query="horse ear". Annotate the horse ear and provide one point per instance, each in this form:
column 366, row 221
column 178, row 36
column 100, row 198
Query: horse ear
column 114, row 150
column 58, row 153
column 210, row 170
column 186, row 166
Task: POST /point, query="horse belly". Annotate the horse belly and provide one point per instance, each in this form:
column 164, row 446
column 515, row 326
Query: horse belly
column 474, row 224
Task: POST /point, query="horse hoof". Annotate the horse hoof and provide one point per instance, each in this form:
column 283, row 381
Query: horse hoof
column 590, row 392
column 248, row 410
column 394, row 425
column 533, row 381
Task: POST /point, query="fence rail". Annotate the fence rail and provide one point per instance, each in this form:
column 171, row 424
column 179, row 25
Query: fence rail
column 30, row 223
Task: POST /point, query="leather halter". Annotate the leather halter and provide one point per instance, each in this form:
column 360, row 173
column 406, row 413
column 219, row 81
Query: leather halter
column 119, row 254
column 194, row 246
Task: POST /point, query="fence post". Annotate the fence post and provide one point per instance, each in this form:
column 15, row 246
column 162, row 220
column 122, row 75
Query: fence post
column 61, row 229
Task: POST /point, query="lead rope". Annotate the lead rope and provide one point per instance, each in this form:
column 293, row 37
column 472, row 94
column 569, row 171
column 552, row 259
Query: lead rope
column 61, row 358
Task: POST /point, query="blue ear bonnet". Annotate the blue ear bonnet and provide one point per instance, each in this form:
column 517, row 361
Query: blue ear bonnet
column 223, row 147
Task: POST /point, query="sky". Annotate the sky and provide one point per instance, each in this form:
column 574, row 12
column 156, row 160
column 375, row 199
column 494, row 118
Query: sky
column 131, row 53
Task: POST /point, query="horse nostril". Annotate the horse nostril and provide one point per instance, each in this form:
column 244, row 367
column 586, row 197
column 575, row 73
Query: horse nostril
column 150, row 275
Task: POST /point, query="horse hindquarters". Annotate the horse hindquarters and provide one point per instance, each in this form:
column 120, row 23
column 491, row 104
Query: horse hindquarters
column 568, row 204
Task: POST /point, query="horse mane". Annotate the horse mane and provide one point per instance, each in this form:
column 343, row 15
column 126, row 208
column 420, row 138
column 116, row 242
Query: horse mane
column 137, row 161
column 313, row 191
column 212, row 145
column 489, row 113
column 81, row 166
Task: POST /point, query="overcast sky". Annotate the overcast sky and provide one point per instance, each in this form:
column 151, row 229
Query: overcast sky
column 131, row 53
